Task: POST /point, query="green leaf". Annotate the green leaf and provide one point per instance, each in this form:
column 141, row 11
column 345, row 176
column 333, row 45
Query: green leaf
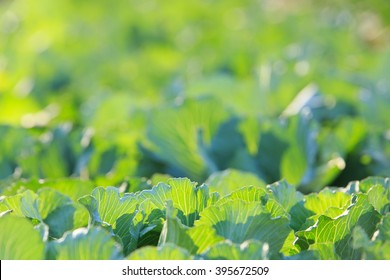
column 239, row 221
column 174, row 231
column 324, row 251
column 285, row 194
column 247, row 194
column 179, row 135
column 166, row 252
column 12, row 186
column 378, row 251
column 186, row 197
column 250, row 130
column 192, row 239
column 19, row 240
column 58, row 211
column 272, row 146
column 300, row 153
column 384, row 228
column 359, row 238
column 60, row 220
column 294, row 165
column 335, row 144
column 201, row 240
column 71, row 187
column 159, row 178
column 230, row 180
column 158, row 195
column 338, row 231
column 276, row 209
column 328, row 202
column 379, row 247
column 299, row 215
column 289, row 248
column 50, row 199
column 150, row 225
column 249, row 250
column 285, row 200
column 366, row 184
column 83, row 244
column 24, row 205
column 107, row 208
column 379, row 197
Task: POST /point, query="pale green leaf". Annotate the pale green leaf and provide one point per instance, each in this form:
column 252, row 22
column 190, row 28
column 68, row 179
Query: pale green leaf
column 286, row 195
column 25, row 204
column 247, row 194
column 366, row 184
column 174, row 231
column 239, row 221
column 49, row 200
column 249, row 250
column 324, row 251
column 186, row 197
column 338, row 231
column 379, row 198
column 83, row 244
column 166, row 252
column 323, row 202
column 379, row 247
column 106, row 205
column 108, row 208
column 201, row 240
column 19, row 240
column 300, row 153
column 179, row 135
column 230, row 180
column 192, row 239
column 285, row 200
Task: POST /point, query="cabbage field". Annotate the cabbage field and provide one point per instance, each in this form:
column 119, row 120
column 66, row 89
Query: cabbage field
column 241, row 129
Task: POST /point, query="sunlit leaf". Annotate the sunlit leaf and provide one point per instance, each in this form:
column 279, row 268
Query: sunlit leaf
column 239, row 221
column 231, row 180
column 83, row 244
column 338, row 231
column 107, row 208
column 166, row 252
column 19, row 240
column 249, row 250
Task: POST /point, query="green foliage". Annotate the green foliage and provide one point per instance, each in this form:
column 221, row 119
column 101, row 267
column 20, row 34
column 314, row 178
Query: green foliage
column 179, row 220
column 171, row 96
column 19, row 240
column 111, row 114
column 85, row 244
column 166, row 252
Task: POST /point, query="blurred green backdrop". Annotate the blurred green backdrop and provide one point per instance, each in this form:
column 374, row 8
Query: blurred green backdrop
column 116, row 91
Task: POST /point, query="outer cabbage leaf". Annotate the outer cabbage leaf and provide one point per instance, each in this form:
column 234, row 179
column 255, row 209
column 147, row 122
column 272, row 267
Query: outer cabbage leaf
column 179, row 135
column 338, row 230
column 166, row 252
column 86, row 244
column 108, row 208
column 19, row 240
column 328, row 202
column 185, row 196
column 230, row 180
column 379, row 247
column 239, row 221
column 249, row 250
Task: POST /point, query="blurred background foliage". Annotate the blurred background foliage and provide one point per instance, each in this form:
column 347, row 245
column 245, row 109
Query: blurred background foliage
column 116, row 91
